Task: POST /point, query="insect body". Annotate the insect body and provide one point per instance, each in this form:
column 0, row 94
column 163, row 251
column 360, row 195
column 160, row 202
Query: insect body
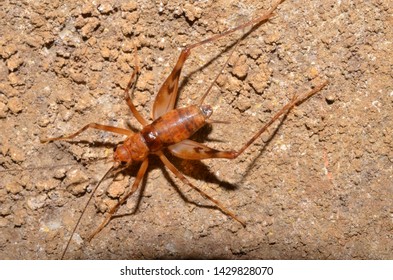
column 171, row 129
column 175, row 126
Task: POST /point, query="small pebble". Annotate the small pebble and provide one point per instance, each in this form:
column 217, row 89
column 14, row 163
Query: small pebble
column 19, row 217
column 330, row 98
column 8, row 90
column 116, row 189
column 90, row 26
column 14, row 63
column 3, row 222
column 3, row 110
column 36, row 202
column 312, row 73
column 5, row 209
column 105, row 8
column 192, row 12
column 14, row 187
column 46, row 185
column 17, row 154
column 129, row 6
column 15, row 80
column 77, row 181
column 15, row 105
column 240, row 69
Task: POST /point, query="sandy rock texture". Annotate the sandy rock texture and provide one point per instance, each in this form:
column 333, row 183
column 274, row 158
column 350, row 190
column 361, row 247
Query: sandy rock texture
column 318, row 186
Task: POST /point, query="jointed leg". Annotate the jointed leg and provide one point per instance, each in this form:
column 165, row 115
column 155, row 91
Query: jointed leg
column 112, row 211
column 167, row 94
column 188, row 149
column 130, row 84
column 179, row 175
column 113, row 129
column 285, row 110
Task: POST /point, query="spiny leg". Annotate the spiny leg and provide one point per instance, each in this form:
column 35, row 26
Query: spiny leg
column 285, row 110
column 191, row 150
column 112, row 211
column 167, row 95
column 188, row 149
column 131, row 84
column 179, row 175
column 113, row 129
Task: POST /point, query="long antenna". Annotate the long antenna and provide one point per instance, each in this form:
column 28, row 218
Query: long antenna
column 84, row 209
column 254, row 23
column 39, row 167
column 53, row 166
column 219, row 73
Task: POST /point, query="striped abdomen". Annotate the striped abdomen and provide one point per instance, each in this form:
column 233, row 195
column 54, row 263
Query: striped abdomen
column 175, row 126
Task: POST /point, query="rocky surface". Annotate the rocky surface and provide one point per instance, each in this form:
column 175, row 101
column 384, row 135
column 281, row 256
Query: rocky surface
column 320, row 188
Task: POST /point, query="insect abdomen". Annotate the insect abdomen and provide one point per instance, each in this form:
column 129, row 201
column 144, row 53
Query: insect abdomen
column 174, row 126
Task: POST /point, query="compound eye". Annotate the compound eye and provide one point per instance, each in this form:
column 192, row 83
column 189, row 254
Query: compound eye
column 115, row 147
column 121, row 154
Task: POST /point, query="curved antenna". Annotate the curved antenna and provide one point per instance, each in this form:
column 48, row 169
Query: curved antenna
column 56, row 166
column 84, row 209
column 39, row 167
column 254, row 23
column 219, row 73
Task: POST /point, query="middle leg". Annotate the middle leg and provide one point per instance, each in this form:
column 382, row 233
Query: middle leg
column 180, row 176
column 112, row 211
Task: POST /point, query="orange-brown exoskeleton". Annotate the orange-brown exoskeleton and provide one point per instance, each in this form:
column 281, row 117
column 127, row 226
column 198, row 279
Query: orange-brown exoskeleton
column 171, row 129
